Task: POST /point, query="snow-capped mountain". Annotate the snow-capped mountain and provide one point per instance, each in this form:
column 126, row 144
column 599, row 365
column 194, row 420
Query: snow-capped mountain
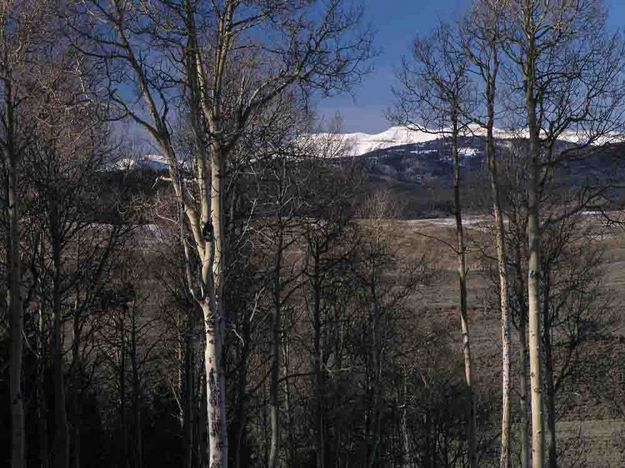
column 358, row 144
column 417, row 166
column 148, row 162
column 362, row 143
column 419, row 170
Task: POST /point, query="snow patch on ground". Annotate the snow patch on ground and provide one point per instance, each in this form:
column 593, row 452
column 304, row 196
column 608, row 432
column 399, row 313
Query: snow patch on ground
column 468, row 152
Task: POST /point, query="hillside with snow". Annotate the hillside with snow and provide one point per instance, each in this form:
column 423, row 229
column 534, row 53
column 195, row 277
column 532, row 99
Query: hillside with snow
column 360, row 143
column 417, row 166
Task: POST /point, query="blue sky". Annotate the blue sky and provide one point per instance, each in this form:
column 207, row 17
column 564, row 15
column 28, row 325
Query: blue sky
column 397, row 22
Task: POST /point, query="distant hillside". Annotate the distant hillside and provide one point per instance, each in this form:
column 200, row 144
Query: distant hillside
column 416, row 167
column 420, row 174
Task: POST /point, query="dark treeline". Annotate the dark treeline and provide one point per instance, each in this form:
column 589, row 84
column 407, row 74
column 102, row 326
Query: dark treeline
column 255, row 300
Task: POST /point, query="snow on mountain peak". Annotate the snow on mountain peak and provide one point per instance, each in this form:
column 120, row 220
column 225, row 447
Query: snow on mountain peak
column 360, row 143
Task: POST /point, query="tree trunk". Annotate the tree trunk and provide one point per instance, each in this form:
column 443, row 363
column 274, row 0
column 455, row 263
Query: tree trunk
column 533, row 240
column 201, row 450
column 521, row 288
column 76, row 389
column 504, row 461
column 122, row 391
column 523, row 396
column 213, row 311
column 215, row 391
column 61, row 436
column 188, row 391
column 462, row 281
column 551, row 421
column 550, row 404
column 406, row 459
column 42, row 409
column 136, row 393
column 16, row 319
column 318, row 371
column 287, row 403
column 376, row 347
column 533, row 234
column 534, row 328
column 274, row 402
column 241, row 408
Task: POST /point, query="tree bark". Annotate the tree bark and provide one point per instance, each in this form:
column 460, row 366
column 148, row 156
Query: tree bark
column 533, row 240
column 214, row 320
column 406, row 458
column 76, row 370
column 136, row 392
column 504, row 461
column 274, row 403
column 61, row 437
column 122, row 390
column 317, row 370
column 462, row 281
column 533, row 235
column 523, row 395
column 16, row 313
column 520, row 289
column 550, row 404
column 42, row 409
column 287, row 402
column 551, row 417
column 215, row 391
column 188, row 391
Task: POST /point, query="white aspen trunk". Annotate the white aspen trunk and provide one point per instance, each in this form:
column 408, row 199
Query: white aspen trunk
column 215, row 404
column 533, row 239
column 504, row 461
column 523, row 354
column 534, row 331
column 214, row 327
column 464, row 321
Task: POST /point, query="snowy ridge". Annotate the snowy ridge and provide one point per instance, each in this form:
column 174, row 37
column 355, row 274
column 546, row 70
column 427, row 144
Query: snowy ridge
column 362, row 143
column 150, row 162
column 359, row 143
column 146, row 162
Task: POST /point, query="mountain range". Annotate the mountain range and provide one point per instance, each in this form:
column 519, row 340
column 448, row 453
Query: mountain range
column 416, row 166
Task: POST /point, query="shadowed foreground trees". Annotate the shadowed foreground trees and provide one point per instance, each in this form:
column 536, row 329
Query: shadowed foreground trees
column 251, row 300
column 216, row 66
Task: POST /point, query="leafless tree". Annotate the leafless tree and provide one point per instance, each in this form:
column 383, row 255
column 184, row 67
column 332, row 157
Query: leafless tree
column 209, row 57
column 564, row 73
column 482, row 31
column 435, row 96
column 24, row 36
